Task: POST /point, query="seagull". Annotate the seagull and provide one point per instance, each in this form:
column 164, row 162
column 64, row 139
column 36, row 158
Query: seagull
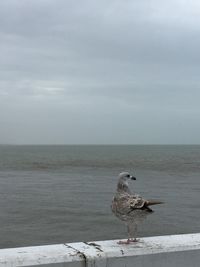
column 130, row 208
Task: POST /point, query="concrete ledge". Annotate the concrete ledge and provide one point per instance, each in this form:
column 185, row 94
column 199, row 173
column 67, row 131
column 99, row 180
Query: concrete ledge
column 160, row 251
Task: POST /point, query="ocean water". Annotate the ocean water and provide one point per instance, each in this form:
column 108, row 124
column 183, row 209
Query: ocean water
column 58, row 194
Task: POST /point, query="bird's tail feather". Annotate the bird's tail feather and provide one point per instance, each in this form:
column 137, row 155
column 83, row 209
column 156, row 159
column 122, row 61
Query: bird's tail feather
column 153, row 202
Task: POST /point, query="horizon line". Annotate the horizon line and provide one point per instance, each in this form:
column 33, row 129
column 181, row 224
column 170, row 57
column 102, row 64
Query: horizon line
column 93, row 144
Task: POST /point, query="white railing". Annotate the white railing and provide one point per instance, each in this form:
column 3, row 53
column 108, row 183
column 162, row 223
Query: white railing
column 165, row 251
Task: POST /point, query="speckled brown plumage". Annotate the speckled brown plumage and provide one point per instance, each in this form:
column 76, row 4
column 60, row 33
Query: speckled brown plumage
column 130, row 208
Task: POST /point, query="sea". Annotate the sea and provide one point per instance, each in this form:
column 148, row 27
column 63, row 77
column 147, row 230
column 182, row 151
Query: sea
column 62, row 193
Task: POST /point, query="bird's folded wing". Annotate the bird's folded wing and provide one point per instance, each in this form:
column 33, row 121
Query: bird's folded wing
column 131, row 202
column 127, row 203
column 136, row 202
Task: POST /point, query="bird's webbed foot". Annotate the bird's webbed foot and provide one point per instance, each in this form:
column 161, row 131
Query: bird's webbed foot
column 134, row 240
column 128, row 241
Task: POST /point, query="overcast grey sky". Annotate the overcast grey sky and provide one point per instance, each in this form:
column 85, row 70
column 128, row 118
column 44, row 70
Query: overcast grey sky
column 99, row 72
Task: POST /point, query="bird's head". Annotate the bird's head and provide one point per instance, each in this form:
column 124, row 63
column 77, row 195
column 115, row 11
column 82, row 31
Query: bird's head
column 124, row 177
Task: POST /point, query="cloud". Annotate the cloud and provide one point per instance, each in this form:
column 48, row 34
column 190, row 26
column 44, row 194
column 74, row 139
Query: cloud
column 111, row 62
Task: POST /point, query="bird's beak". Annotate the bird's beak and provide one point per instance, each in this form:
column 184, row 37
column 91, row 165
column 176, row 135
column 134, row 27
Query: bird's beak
column 133, row 178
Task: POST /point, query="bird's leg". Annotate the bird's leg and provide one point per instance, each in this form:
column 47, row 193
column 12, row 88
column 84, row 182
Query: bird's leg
column 132, row 232
column 128, row 241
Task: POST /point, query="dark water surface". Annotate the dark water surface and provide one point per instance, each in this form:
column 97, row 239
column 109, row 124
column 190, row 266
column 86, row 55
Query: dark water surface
column 57, row 194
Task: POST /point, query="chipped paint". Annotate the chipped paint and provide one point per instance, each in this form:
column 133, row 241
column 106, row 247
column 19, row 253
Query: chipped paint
column 122, row 251
column 98, row 247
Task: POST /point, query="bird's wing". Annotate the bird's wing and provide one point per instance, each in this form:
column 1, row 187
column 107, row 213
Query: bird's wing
column 128, row 203
column 135, row 202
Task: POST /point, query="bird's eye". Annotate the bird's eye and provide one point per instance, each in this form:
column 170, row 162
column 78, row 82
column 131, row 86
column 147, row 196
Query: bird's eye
column 128, row 175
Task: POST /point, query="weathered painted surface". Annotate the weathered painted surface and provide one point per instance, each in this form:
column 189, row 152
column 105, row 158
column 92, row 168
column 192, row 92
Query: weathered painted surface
column 52, row 255
column 161, row 251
